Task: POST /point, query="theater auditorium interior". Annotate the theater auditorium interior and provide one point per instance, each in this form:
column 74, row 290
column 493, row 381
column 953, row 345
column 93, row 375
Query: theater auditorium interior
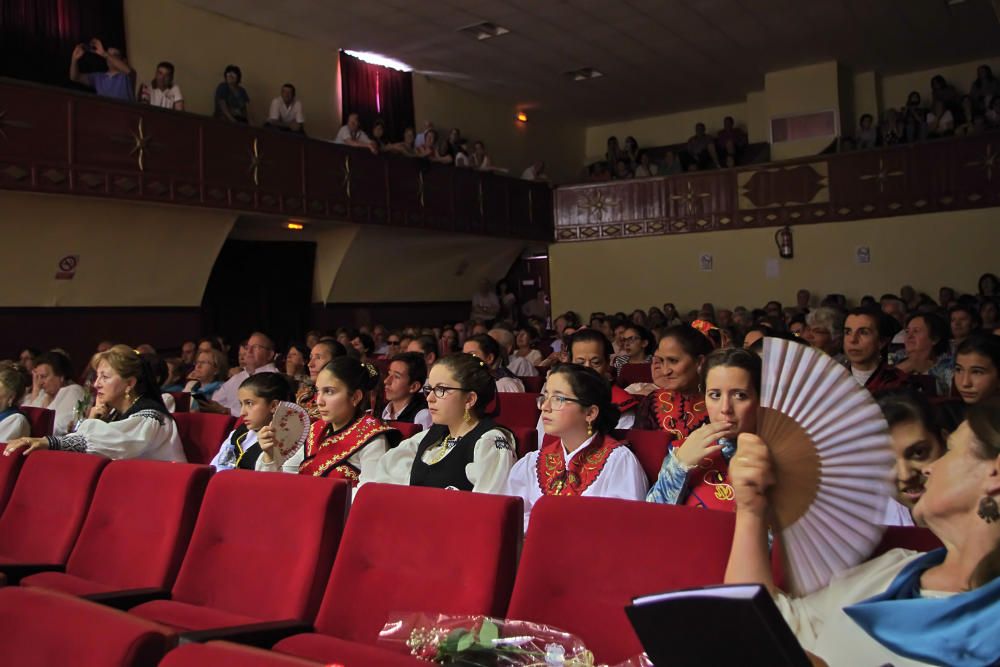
column 500, row 332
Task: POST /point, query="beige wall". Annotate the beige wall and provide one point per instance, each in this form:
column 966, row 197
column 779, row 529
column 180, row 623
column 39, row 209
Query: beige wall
column 637, row 273
column 661, row 130
column 130, row 254
column 802, row 90
column 511, row 145
column 200, row 44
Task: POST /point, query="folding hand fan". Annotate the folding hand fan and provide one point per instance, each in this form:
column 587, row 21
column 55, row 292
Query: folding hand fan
column 832, row 460
column 291, row 426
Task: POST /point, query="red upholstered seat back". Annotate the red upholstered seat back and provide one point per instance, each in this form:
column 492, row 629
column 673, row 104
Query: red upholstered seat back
column 632, row 373
column 650, row 447
column 421, row 549
column 202, row 433
column 263, row 544
column 39, row 627
column 225, row 654
column 406, row 428
column 526, row 438
column 50, row 500
column 533, row 383
column 517, row 409
column 182, row 401
column 10, row 466
column 139, row 523
column 622, row 549
column 42, row 420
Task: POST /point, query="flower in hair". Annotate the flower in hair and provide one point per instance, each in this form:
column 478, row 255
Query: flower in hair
column 372, row 371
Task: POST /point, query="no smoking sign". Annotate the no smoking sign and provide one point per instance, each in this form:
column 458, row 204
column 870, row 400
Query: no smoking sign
column 67, row 267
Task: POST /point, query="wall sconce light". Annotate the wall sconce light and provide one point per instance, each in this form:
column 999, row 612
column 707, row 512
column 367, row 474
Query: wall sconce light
column 521, row 117
column 294, row 226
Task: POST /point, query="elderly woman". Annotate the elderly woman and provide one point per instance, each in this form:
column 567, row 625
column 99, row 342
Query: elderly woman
column 129, row 420
column 825, row 330
column 211, row 369
column 927, row 350
column 902, row 608
column 53, row 388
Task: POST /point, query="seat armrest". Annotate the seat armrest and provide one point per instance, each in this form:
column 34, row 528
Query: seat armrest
column 126, row 599
column 262, row 635
column 15, row 572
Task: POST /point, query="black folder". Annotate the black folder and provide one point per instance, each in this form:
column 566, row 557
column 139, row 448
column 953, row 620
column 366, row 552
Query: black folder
column 716, row 625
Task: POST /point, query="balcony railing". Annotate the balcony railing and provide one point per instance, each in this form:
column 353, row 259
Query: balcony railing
column 942, row 175
column 61, row 142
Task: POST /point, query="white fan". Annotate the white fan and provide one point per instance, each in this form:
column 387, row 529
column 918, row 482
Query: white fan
column 832, row 458
column 291, row 428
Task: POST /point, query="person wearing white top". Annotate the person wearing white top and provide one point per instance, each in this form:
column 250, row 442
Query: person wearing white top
column 463, row 449
column 519, row 366
column 13, row 424
column 163, row 92
column 53, row 388
column 286, row 111
column 259, row 359
column 579, row 458
column 129, row 420
column 536, row 172
column 404, row 380
column 904, row 609
column 351, row 134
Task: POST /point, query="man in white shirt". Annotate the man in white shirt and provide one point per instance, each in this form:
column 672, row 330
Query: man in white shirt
column 420, row 139
column 259, row 359
column 404, row 383
column 164, row 93
column 286, row 111
column 352, row 135
column 536, row 172
column 519, row 366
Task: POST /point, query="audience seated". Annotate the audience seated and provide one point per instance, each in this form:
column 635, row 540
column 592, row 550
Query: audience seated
column 259, row 396
column 486, row 349
column 52, row 387
column 286, row 112
column 701, row 148
column 579, row 456
column 162, row 92
column 464, row 449
column 676, row 404
column 867, row 332
column 977, row 361
column 351, row 134
column 128, row 421
column 322, row 353
column 118, row 82
column 13, row 424
column 404, row 383
column 926, row 351
column 232, row 102
column 259, row 358
column 210, row 372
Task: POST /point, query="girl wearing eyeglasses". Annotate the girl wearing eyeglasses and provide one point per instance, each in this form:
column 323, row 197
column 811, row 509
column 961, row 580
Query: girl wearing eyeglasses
column 581, row 459
column 463, row 449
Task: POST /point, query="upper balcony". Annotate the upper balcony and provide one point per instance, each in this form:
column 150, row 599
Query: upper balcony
column 941, row 175
column 60, row 142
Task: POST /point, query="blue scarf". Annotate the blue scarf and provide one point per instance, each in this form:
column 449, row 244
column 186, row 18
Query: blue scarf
column 962, row 630
column 7, row 413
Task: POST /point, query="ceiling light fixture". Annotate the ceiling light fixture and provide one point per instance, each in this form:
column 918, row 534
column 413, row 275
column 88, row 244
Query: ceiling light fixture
column 484, row 30
column 294, row 226
column 379, row 59
column 584, row 74
column 521, row 117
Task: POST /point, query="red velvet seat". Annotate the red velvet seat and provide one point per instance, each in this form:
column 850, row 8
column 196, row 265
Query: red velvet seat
column 650, row 447
column 399, row 554
column 627, row 549
column 532, row 384
column 136, row 531
column 261, row 550
column 182, row 401
column 517, row 409
column 42, row 420
column 526, row 439
column 632, row 373
column 10, row 467
column 202, row 433
column 44, row 514
column 406, row 428
column 225, row 654
column 44, row 628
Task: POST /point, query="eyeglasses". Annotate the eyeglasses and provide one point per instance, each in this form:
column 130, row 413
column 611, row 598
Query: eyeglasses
column 556, row 401
column 440, row 390
column 393, row 342
column 255, row 346
column 631, row 339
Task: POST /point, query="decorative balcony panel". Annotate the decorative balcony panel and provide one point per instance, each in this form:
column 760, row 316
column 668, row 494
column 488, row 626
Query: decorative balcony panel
column 904, row 180
column 58, row 141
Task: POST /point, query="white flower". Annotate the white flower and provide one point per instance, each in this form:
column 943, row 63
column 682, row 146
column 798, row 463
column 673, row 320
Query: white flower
column 555, row 654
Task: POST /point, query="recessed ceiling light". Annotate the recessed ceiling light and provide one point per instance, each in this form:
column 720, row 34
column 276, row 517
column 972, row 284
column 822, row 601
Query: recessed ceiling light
column 584, row 74
column 484, row 30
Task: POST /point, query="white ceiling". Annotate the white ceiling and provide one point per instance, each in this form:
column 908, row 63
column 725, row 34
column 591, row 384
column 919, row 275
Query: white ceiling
column 657, row 56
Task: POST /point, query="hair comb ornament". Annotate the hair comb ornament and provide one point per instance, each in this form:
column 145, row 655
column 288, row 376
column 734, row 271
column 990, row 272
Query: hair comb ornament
column 372, row 371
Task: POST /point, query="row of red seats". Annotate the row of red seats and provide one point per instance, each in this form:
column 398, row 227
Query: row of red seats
column 197, row 552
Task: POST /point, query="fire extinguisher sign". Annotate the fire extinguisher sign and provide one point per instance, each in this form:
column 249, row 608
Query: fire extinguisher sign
column 67, row 267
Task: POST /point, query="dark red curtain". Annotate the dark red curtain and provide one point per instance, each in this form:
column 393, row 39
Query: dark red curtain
column 373, row 91
column 38, row 36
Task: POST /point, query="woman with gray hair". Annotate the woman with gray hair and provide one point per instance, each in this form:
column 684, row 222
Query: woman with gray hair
column 825, row 329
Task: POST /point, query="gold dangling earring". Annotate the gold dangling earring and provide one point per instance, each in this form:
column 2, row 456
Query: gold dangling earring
column 590, row 429
column 468, row 416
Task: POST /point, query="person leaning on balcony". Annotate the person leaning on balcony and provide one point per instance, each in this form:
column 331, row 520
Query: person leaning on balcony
column 351, row 134
column 231, row 99
column 118, row 82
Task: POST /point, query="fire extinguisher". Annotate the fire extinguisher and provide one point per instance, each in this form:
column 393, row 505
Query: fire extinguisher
column 783, row 238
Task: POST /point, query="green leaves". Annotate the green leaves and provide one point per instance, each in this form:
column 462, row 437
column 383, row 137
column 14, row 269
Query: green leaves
column 488, row 633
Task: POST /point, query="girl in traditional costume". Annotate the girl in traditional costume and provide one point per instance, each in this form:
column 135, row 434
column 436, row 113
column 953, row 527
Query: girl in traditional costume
column 578, row 456
column 259, row 397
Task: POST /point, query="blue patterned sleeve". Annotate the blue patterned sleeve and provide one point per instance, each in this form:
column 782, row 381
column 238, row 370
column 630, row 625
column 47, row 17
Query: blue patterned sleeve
column 671, row 486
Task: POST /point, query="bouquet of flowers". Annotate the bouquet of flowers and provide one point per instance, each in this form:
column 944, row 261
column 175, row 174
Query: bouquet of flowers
column 480, row 641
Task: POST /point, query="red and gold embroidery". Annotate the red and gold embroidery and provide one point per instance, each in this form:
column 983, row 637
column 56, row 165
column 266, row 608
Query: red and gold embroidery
column 334, row 450
column 678, row 414
column 555, row 479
